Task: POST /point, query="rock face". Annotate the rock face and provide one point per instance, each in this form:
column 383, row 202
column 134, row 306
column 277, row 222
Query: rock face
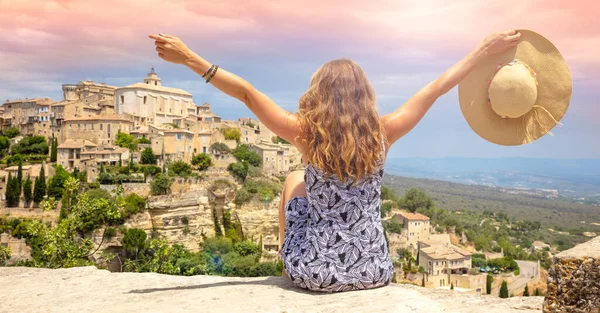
column 87, row 289
column 574, row 280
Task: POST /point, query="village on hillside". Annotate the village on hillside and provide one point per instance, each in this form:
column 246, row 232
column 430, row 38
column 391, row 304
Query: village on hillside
column 86, row 122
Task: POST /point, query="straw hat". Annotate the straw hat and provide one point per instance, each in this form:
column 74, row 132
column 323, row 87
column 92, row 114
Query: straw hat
column 518, row 96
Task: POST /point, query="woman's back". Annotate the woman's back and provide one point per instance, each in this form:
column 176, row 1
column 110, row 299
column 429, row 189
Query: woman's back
column 334, row 239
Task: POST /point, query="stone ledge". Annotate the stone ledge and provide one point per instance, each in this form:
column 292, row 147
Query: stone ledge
column 574, row 280
column 87, row 289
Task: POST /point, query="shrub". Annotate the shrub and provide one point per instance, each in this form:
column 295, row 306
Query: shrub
column 245, row 248
column 31, row 145
column 219, row 148
column 98, row 194
column 504, row 290
column 144, row 141
column 393, row 226
column 385, row 209
column 160, row 185
column 232, row 134
column 239, row 170
column 110, row 233
column 202, row 161
column 105, row 178
column 488, row 284
column 148, row 156
column 185, row 220
column 242, row 195
column 151, row 170
column 134, row 204
column 12, row 132
column 244, row 154
column 180, row 168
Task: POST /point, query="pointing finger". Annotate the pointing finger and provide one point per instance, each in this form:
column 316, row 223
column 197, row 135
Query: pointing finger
column 158, row 38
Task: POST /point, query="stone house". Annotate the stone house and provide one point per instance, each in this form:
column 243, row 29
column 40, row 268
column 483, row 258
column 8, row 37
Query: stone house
column 416, row 227
column 28, row 115
column 101, row 129
column 69, row 153
column 275, row 157
column 442, row 261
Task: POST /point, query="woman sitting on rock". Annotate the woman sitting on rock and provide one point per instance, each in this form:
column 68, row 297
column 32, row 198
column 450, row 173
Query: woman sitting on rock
column 330, row 227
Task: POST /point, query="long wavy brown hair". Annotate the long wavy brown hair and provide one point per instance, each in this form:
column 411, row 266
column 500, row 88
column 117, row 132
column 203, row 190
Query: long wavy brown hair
column 340, row 127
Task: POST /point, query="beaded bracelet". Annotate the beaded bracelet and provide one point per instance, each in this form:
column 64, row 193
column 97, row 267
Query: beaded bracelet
column 208, row 71
column 213, row 74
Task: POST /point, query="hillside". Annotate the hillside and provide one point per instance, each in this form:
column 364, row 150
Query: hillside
column 87, row 289
column 551, row 213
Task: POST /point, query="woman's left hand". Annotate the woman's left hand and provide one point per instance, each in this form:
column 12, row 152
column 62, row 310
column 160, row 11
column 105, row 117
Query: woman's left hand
column 171, row 48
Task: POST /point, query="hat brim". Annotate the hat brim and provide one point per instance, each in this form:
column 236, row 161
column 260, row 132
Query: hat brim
column 554, row 93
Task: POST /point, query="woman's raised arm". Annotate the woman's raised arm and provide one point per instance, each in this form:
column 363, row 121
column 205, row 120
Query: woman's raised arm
column 278, row 120
column 401, row 121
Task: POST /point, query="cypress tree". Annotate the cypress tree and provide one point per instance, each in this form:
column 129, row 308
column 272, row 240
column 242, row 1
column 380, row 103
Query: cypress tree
column 12, row 193
column 526, row 291
column 27, row 191
column 218, row 230
column 451, row 286
column 54, row 150
column 488, row 284
column 504, row 290
column 20, row 177
column 422, row 281
column 260, row 245
column 39, row 190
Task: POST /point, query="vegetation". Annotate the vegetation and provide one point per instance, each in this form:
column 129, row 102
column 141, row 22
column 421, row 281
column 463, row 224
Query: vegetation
column 488, row 283
column 202, row 161
column 4, row 255
column 148, row 156
column 526, row 291
column 244, row 154
column 160, row 185
column 220, row 148
column 126, row 141
column 504, row 290
column 12, row 132
column 263, row 189
column 39, row 189
column 27, row 190
column 144, row 140
column 31, row 145
column 238, row 169
column 54, row 150
column 13, row 193
column 231, row 134
column 180, row 168
column 392, row 226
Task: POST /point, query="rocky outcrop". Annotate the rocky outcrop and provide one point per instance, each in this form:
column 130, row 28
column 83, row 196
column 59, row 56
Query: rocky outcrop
column 574, row 280
column 87, row 289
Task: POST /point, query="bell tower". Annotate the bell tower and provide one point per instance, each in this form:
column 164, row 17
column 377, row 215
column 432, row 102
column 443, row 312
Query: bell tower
column 152, row 78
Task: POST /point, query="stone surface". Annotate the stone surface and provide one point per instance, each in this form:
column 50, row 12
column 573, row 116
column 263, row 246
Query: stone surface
column 574, row 280
column 87, row 289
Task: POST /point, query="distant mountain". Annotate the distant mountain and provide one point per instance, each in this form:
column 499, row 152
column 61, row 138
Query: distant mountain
column 572, row 178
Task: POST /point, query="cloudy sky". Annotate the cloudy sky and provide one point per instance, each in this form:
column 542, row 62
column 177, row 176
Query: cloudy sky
column 277, row 45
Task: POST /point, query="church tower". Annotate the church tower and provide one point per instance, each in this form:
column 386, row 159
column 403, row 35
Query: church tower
column 152, row 78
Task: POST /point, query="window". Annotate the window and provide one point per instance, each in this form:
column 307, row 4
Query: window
column 178, row 136
column 203, row 149
column 204, row 139
column 122, row 99
column 100, row 126
column 145, row 98
column 78, row 126
column 92, row 126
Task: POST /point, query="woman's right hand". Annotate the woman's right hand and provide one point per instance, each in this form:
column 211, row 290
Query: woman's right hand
column 500, row 42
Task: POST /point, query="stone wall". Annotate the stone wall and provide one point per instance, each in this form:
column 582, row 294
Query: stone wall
column 574, row 280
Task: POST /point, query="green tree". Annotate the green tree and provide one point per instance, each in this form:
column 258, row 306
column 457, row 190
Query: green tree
column 39, row 190
column 218, row 231
column 160, row 185
column 415, row 199
column 12, row 193
column 12, row 132
column 422, row 281
column 144, row 140
column 27, row 190
column 232, row 134
column 526, row 291
column 180, row 168
column 219, row 148
column 537, row 292
column 20, row 176
column 4, row 255
column 56, row 185
column 148, row 156
column 202, row 161
column 244, row 154
column 238, row 169
column 134, row 241
column 31, row 145
column 504, row 290
column 54, row 150
column 451, row 286
column 4, row 143
column 126, row 141
column 488, row 283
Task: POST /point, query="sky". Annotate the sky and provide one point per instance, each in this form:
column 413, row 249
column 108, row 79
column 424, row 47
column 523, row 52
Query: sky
column 277, row 45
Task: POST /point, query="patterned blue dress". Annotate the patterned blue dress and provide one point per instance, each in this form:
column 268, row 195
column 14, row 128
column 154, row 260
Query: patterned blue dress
column 333, row 238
